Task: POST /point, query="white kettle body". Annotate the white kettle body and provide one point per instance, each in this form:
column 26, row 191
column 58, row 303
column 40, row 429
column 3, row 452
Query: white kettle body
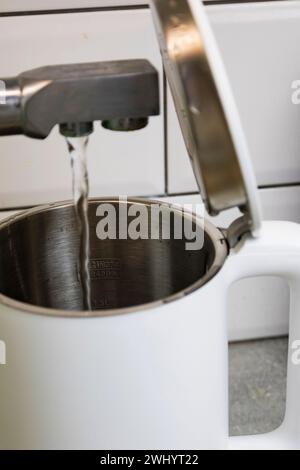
column 150, row 376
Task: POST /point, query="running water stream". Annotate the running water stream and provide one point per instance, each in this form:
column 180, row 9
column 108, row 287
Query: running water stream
column 78, row 151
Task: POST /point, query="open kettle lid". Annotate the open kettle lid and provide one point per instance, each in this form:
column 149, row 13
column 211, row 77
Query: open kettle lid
column 206, row 109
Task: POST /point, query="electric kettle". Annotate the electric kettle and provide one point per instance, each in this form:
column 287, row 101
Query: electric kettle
column 147, row 367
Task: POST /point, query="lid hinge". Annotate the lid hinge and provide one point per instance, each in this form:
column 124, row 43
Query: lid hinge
column 237, row 230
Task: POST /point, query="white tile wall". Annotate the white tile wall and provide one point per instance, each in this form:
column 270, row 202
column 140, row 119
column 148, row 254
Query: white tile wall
column 28, row 5
column 260, row 44
column 34, row 172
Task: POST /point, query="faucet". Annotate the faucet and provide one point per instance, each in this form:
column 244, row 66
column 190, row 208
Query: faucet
column 121, row 94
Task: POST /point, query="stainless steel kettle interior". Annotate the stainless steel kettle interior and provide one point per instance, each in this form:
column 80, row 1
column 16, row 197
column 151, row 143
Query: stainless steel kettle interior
column 39, row 261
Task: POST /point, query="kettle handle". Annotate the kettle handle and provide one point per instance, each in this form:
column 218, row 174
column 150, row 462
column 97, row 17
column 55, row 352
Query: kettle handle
column 275, row 253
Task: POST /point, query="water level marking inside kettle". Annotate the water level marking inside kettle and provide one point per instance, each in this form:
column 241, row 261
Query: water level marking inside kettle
column 105, row 268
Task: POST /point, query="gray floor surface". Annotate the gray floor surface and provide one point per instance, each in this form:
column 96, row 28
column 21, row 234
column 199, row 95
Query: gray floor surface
column 257, row 385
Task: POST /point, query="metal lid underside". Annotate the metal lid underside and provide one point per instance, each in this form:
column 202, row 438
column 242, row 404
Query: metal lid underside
column 206, row 109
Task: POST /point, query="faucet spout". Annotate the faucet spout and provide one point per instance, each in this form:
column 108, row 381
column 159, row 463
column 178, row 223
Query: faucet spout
column 74, row 96
column 76, row 129
column 10, row 107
